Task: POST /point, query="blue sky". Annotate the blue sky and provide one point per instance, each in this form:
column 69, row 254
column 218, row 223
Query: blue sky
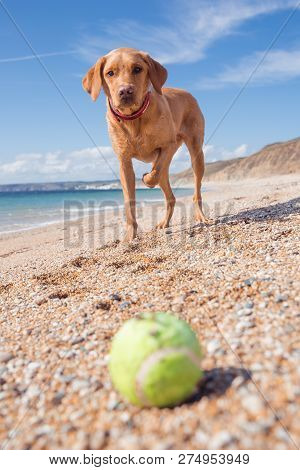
column 209, row 47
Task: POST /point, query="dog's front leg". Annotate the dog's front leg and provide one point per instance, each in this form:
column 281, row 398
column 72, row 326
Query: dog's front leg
column 160, row 164
column 127, row 177
column 151, row 179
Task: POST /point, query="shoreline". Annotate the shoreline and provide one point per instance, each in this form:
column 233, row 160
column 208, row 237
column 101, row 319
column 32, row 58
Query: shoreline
column 209, row 186
column 84, row 211
column 109, row 225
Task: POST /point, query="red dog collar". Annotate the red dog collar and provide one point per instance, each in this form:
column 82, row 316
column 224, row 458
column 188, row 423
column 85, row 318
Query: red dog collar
column 130, row 117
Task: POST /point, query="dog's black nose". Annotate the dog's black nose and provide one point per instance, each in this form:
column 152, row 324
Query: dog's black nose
column 126, row 91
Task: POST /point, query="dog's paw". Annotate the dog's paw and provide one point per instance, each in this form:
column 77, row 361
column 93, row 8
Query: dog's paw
column 162, row 224
column 130, row 235
column 150, row 179
column 204, row 220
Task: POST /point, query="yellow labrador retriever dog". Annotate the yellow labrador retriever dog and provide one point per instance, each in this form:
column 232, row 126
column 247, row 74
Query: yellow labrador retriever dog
column 149, row 123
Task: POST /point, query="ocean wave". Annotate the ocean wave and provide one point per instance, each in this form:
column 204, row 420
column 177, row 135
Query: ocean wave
column 26, row 218
column 24, row 225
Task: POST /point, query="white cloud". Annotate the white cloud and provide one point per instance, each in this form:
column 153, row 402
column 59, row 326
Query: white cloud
column 240, row 151
column 84, row 164
column 181, row 160
column 278, row 65
column 192, row 28
column 214, row 153
column 33, row 57
column 88, row 165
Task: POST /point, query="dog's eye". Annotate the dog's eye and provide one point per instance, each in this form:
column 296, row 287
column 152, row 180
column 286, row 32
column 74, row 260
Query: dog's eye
column 137, row 69
column 110, row 73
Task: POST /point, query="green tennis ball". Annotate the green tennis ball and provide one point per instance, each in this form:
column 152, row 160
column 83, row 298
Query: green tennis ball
column 155, row 360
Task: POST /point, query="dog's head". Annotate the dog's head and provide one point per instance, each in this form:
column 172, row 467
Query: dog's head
column 125, row 75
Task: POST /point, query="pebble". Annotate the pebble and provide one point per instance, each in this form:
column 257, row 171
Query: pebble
column 115, row 297
column 97, row 439
column 236, row 344
column 213, row 346
column 253, row 404
column 102, row 305
column 43, row 430
column 257, row 367
column 6, row 357
column 201, row 438
column 177, row 308
column 125, row 417
column 77, row 340
column 3, row 370
column 255, row 427
column 148, row 305
column 289, row 328
column 67, row 353
column 76, row 415
column 282, row 435
column 66, row 378
column 245, row 324
column 79, row 384
column 81, row 440
column 40, row 300
column 296, row 353
column 112, row 405
column 124, row 305
column 280, row 298
column 179, row 299
column 33, row 366
column 244, row 312
column 262, row 305
column 4, row 394
column 33, row 391
column 221, row 440
column 238, row 382
column 57, row 399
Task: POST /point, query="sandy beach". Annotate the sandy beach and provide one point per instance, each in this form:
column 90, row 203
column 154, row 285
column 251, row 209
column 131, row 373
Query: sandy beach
column 66, row 288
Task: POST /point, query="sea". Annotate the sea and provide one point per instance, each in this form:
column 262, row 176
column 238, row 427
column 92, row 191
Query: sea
column 23, row 210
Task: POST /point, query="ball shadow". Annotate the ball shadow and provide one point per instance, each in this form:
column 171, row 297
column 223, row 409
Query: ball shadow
column 216, row 382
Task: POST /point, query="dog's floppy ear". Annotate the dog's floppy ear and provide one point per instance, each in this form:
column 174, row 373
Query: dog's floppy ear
column 92, row 81
column 157, row 73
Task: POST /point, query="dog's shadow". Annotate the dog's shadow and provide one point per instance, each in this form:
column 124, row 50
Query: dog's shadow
column 280, row 211
column 215, row 382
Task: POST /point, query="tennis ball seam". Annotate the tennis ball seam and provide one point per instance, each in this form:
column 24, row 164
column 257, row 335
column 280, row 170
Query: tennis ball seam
column 153, row 359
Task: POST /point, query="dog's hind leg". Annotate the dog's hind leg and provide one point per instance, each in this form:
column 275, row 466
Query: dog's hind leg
column 165, row 186
column 195, row 149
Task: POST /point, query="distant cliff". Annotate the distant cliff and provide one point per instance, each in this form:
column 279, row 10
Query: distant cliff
column 275, row 159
